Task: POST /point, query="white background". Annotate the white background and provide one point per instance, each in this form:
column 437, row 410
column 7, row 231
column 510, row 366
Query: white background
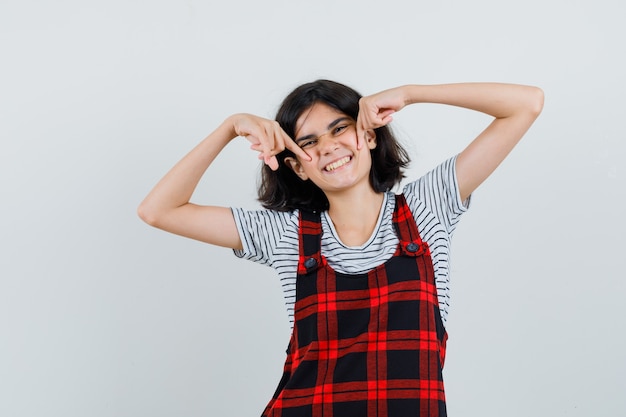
column 101, row 315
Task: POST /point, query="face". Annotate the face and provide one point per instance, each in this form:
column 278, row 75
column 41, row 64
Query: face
column 329, row 138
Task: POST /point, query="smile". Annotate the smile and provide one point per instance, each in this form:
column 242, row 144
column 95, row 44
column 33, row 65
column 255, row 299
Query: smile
column 333, row 166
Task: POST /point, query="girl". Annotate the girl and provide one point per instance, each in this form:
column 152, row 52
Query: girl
column 365, row 271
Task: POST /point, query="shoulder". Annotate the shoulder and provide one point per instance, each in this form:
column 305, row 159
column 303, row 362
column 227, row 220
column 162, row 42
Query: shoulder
column 439, row 177
column 438, row 184
column 437, row 192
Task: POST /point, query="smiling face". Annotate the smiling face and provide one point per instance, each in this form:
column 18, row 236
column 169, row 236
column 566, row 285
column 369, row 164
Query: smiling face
column 329, row 138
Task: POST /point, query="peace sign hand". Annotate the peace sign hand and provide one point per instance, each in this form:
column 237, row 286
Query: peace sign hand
column 266, row 137
column 376, row 111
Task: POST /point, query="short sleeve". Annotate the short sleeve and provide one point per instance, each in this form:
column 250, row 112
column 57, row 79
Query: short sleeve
column 266, row 235
column 439, row 191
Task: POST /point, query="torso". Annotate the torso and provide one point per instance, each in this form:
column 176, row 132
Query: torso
column 364, row 345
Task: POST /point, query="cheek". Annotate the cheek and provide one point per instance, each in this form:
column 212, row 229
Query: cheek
column 305, row 169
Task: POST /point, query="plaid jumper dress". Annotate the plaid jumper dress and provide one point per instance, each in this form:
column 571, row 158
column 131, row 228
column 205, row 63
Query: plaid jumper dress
column 364, row 345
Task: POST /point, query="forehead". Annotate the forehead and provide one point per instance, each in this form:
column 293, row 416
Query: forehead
column 316, row 117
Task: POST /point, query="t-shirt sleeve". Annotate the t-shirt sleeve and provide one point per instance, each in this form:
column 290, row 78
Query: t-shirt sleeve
column 264, row 233
column 439, row 191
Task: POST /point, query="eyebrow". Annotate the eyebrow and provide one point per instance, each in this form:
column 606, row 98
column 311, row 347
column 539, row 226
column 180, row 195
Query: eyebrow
column 329, row 127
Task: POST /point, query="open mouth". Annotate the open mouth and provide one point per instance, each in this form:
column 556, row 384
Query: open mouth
column 337, row 164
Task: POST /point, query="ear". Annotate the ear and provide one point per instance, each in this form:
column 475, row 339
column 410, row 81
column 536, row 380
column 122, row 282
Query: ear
column 296, row 167
column 370, row 138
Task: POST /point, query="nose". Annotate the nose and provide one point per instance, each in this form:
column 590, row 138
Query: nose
column 327, row 143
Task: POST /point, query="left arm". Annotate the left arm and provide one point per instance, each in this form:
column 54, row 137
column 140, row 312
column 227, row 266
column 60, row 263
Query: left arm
column 514, row 107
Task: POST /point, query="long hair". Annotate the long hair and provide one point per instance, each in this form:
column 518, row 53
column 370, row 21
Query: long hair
column 283, row 190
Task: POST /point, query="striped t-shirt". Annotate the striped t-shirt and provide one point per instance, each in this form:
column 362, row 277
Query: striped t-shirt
column 271, row 237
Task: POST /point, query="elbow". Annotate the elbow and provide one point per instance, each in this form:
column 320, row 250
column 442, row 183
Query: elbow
column 536, row 102
column 148, row 215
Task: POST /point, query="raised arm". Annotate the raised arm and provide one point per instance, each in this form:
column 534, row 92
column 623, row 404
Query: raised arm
column 168, row 207
column 514, row 107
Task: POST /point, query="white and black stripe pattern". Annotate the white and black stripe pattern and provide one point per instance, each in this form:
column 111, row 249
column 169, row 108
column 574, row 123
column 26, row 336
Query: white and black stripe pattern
column 271, row 238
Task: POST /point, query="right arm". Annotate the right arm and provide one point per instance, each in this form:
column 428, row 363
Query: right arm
column 168, row 207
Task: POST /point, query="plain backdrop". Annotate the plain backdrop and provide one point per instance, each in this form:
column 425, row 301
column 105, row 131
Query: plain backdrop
column 101, row 315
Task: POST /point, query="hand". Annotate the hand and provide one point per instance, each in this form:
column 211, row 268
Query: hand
column 375, row 111
column 266, row 137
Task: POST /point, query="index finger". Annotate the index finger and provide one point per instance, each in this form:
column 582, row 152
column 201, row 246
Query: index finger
column 293, row 147
column 360, row 132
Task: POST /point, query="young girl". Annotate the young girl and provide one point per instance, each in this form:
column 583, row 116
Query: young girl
column 365, row 271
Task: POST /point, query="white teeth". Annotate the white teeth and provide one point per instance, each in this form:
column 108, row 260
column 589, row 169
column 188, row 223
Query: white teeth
column 337, row 164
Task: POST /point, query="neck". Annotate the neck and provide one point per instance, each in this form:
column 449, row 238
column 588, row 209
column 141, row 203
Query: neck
column 355, row 214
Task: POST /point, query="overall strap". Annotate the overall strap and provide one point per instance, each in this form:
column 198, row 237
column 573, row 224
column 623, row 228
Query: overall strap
column 310, row 238
column 410, row 240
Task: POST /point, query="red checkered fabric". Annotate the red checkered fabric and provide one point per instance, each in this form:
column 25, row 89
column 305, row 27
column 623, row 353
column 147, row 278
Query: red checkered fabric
column 364, row 345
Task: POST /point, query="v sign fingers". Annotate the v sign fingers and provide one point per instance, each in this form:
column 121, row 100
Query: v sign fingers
column 281, row 141
column 293, row 147
column 372, row 115
column 266, row 137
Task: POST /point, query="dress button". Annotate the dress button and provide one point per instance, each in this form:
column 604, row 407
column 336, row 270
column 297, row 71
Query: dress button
column 310, row 263
column 412, row 247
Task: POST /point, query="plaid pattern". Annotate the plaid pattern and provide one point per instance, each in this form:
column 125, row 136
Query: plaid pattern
column 364, row 345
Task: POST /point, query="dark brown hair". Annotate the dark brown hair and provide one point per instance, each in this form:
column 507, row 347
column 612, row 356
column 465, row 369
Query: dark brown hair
column 283, row 190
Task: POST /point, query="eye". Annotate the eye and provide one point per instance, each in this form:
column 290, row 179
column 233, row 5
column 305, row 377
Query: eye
column 307, row 143
column 340, row 129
